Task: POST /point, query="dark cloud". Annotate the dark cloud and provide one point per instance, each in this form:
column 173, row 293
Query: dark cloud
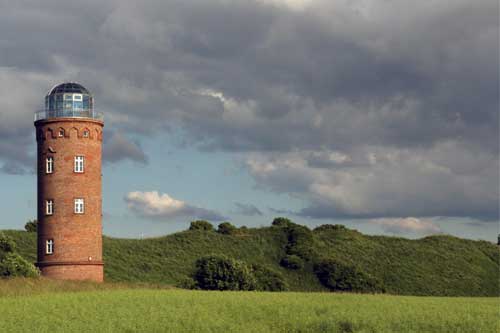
column 118, row 148
column 247, row 209
column 332, row 81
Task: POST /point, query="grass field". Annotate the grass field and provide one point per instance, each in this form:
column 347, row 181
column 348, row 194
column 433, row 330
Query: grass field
column 49, row 306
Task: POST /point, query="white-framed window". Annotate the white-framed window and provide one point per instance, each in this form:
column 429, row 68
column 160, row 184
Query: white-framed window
column 49, row 164
column 79, row 164
column 49, row 207
column 77, row 97
column 60, row 133
column 49, row 246
column 79, row 206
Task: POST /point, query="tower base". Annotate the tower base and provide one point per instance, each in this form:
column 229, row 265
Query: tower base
column 82, row 271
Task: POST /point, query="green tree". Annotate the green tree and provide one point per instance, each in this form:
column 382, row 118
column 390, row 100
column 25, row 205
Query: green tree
column 300, row 241
column 226, row 228
column 281, row 222
column 340, row 276
column 7, row 244
column 223, row 273
column 268, row 279
column 291, row 261
column 13, row 265
column 31, row 226
column 201, row 225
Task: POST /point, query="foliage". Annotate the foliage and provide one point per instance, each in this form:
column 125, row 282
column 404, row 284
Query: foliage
column 188, row 283
column 201, row 225
column 281, row 222
column 222, row 273
column 226, row 228
column 339, row 276
column 330, row 227
column 13, row 265
column 291, row 261
column 268, row 279
column 300, row 241
column 31, row 226
column 7, row 244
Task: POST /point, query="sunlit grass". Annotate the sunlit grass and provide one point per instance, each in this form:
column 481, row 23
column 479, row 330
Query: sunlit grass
column 51, row 306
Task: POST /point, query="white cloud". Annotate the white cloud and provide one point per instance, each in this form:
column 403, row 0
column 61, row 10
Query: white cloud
column 156, row 205
column 408, row 225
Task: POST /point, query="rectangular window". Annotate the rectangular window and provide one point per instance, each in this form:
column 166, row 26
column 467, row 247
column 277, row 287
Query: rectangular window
column 49, row 207
column 79, row 206
column 49, row 246
column 77, row 97
column 77, row 106
column 79, row 164
column 49, row 165
column 68, row 97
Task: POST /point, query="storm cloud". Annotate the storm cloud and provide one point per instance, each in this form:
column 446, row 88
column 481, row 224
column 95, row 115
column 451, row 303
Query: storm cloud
column 362, row 109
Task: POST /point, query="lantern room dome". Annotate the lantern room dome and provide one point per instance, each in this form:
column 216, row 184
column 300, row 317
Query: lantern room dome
column 68, row 87
column 68, row 100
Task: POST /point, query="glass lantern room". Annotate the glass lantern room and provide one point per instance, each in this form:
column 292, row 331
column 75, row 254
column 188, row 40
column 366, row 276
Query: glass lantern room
column 68, row 100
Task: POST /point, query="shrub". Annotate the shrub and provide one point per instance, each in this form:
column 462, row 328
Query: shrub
column 337, row 275
column 201, row 225
column 14, row 265
column 7, row 244
column 187, row 283
column 333, row 227
column 222, row 273
column 31, row 226
column 268, row 279
column 226, row 228
column 281, row 222
column 300, row 241
column 292, row 261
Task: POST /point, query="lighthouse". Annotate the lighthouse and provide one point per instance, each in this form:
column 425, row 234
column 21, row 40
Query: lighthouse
column 69, row 151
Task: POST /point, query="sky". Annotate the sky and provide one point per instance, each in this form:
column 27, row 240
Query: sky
column 379, row 115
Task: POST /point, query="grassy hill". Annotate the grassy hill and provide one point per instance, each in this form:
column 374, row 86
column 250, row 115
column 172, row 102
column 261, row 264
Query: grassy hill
column 436, row 265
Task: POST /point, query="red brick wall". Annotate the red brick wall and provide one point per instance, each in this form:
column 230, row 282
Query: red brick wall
column 74, row 272
column 77, row 237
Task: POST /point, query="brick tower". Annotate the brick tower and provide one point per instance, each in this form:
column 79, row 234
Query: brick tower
column 69, row 145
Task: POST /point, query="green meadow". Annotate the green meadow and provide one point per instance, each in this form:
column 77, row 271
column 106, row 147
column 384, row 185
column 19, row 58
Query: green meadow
column 47, row 306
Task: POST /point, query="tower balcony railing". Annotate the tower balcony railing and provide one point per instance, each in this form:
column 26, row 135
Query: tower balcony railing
column 68, row 113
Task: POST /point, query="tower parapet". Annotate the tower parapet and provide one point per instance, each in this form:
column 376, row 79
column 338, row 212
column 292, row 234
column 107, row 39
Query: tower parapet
column 69, row 151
